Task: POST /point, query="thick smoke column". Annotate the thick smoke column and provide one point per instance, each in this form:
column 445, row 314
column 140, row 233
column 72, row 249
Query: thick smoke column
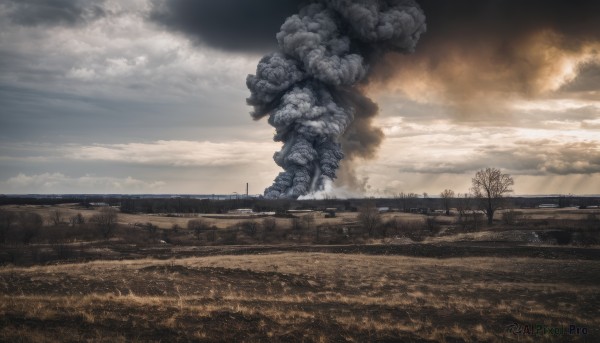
column 310, row 90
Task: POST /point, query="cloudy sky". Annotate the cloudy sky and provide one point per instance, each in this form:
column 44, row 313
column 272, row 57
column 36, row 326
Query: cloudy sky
column 148, row 96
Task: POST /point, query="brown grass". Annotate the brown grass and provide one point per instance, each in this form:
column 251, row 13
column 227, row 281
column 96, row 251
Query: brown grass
column 167, row 222
column 298, row 296
column 234, row 294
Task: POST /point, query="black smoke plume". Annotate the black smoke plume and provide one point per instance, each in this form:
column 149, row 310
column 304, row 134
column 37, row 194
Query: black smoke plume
column 310, row 88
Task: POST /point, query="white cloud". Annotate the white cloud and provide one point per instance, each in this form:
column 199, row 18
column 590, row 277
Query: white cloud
column 430, row 156
column 121, row 50
column 178, row 153
column 554, row 105
column 593, row 124
column 181, row 166
column 60, row 183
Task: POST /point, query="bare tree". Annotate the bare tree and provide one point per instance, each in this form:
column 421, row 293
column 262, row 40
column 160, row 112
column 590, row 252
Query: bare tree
column 151, row 228
column 489, row 186
column 7, row 219
column 464, row 203
column 198, row 226
column 269, row 224
column 308, row 220
column 370, row 218
column 447, row 196
column 296, row 224
column 250, row 227
column 407, row 200
column 31, row 223
column 77, row 220
column 56, row 217
column 468, row 217
column 105, row 220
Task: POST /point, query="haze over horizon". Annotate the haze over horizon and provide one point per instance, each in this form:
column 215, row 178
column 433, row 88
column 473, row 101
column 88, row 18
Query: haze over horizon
column 148, row 96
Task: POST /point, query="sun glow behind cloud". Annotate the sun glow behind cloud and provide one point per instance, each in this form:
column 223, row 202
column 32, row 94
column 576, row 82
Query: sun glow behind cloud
column 478, row 81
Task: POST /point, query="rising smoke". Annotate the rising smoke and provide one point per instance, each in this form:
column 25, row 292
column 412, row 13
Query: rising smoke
column 311, row 87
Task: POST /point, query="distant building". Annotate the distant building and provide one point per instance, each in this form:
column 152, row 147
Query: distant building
column 383, row 209
column 242, row 211
column 299, row 211
column 548, row 206
column 420, row 210
column 330, row 212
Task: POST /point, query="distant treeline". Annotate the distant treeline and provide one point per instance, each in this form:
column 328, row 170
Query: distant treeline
column 23, row 200
column 405, row 203
column 186, row 205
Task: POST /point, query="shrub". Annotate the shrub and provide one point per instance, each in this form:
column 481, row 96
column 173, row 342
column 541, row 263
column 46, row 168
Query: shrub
column 30, row 223
column 77, row 220
column 512, row 217
column 229, row 236
column 369, row 218
column 7, row 220
column 151, row 228
column 198, row 226
column 249, row 227
column 269, row 224
column 105, row 221
column 432, row 225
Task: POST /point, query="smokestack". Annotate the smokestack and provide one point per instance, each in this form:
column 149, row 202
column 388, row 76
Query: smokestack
column 309, row 87
column 246, row 189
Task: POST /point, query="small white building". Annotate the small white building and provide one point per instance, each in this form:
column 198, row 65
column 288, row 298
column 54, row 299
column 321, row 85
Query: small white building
column 242, row 211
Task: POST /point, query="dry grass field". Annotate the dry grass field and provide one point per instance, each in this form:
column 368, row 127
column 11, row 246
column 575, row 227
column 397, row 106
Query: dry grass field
column 444, row 284
column 167, row 222
column 318, row 297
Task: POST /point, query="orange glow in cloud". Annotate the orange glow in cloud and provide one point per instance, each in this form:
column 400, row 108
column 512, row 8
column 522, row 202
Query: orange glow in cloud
column 480, row 79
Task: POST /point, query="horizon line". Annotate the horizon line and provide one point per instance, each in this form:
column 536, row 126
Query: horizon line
column 242, row 195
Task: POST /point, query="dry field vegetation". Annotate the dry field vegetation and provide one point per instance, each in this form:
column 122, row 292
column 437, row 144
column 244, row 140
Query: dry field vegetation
column 299, row 297
column 165, row 221
column 448, row 284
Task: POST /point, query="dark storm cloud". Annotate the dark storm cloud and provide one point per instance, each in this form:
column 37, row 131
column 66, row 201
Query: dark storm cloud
column 505, row 25
column 237, row 25
column 474, row 53
column 52, row 12
column 250, row 25
column 509, row 19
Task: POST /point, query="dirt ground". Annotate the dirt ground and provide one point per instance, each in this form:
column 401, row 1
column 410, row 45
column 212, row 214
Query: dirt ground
column 303, row 296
